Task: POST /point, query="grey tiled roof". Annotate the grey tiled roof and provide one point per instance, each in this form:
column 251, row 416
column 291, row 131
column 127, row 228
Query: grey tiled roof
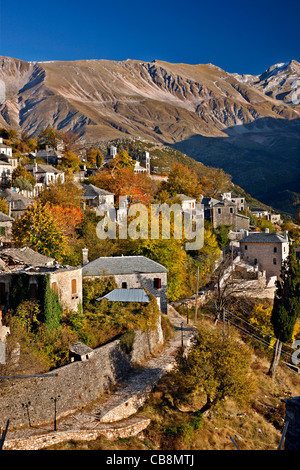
column 43, row 168
column 26, row 256
column 92, row 191
column 258, row 237
column 5, row 218
column 122, row 265
column 126, row 295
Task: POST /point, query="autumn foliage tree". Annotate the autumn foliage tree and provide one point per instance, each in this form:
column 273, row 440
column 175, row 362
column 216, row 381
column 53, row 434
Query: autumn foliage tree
column 215, row 369
column 37, row 229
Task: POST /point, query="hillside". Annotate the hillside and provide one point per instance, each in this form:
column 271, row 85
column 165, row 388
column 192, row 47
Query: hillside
column 247, row 125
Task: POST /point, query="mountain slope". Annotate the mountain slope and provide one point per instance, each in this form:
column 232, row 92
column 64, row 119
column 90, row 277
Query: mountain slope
column 222, row 119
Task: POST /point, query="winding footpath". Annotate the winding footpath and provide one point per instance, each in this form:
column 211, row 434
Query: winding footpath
column 114, row 417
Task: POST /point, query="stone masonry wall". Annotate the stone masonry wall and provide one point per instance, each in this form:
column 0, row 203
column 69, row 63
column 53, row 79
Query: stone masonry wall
column 77, row 384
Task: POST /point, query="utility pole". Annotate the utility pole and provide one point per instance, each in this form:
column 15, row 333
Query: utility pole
column 197, row 290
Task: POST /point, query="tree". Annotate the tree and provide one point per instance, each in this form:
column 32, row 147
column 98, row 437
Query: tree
column 67, row 194
column 70, row 160
column 23, row 184
column 37, row 230
column 214, row 369
column 20, row 171
column 50, row 136
column 182, row 180
column 286, row 307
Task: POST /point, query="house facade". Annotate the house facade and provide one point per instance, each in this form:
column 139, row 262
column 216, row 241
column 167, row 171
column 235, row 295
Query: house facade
column 94, row 196
column 44, row 175
column 265, row 250
column 224, row 212
column 66, row 281
column 132, row 272
column 6, row 225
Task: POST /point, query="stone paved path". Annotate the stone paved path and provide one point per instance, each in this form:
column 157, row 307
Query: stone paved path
column 115, row 416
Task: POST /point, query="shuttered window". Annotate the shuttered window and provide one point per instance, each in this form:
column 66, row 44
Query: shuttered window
column 74, row 286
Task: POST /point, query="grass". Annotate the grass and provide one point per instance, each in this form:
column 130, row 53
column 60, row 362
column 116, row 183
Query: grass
column 256, row 427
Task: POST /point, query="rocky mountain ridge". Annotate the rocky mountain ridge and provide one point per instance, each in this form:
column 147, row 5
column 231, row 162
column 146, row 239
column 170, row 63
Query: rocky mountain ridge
column 237, row 122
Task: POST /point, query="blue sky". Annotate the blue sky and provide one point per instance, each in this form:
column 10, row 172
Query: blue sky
column 238, row 36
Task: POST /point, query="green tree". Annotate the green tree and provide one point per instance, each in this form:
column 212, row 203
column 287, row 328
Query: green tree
column 286, row 307
column 50, row 136
column 216, row 368
column 37, row 230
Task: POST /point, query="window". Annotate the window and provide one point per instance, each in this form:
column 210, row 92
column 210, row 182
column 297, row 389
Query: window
column 275, row 249
column 274, row 261
column 2, row 291
column 74, row 286
column 242, row 208
column 255, row 260
column 231, row 210
column 246, row 247
column 219, row 211
column 242, row 200
column 124, row 285
column 2, row 230
column 157, row 283
column 54, row 286
column 33, row 291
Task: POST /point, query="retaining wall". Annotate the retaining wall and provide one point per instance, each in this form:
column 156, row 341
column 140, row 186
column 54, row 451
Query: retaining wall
column 77, row 384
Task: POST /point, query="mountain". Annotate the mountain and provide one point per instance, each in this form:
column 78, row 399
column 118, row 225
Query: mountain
column 249, row 125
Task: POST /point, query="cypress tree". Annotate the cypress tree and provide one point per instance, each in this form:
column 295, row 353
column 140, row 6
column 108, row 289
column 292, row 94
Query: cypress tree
column 286, row 307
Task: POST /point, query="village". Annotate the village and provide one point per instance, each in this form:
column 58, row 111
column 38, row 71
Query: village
column 247, row 248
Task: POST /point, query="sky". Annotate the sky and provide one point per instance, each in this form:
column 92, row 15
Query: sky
column 238, row 36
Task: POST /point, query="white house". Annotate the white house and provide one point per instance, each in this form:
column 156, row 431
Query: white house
column 44, row 175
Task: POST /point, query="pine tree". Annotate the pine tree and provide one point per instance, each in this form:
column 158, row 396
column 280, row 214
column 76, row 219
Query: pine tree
column 286, row 307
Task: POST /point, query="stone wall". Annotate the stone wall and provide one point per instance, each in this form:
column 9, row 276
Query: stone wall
column 77, row 384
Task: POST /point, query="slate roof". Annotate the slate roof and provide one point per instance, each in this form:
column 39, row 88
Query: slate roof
column 5, row 218
column 18, row 201
column 40, row 168
column 259, row 237
column 126, row 295
column 91, row 191
column 122, row 265
column 26, row 256
column 80, row 349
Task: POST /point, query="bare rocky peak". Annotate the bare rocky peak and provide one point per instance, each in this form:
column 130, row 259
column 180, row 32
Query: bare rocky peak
column 157, row 100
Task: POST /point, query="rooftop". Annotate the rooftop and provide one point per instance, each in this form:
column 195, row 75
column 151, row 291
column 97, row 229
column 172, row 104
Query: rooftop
column 126, row 295
column 93, row 191
column 122, row 265
column 40, row 168
column 259, row 237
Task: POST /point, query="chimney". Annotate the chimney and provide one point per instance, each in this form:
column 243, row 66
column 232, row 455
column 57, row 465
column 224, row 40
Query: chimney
column 285, row 235
column 266, row 230
column 85, row 253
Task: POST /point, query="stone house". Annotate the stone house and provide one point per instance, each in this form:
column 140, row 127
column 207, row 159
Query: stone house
column 259, row 212
column 44, row 175
column 66, row 281
column 132, row 272
column 224, row 212
column 237, row 199
column 94, row 196
column 5, row 172
column 6, row 224
column 265, row 250
column 16, row 201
